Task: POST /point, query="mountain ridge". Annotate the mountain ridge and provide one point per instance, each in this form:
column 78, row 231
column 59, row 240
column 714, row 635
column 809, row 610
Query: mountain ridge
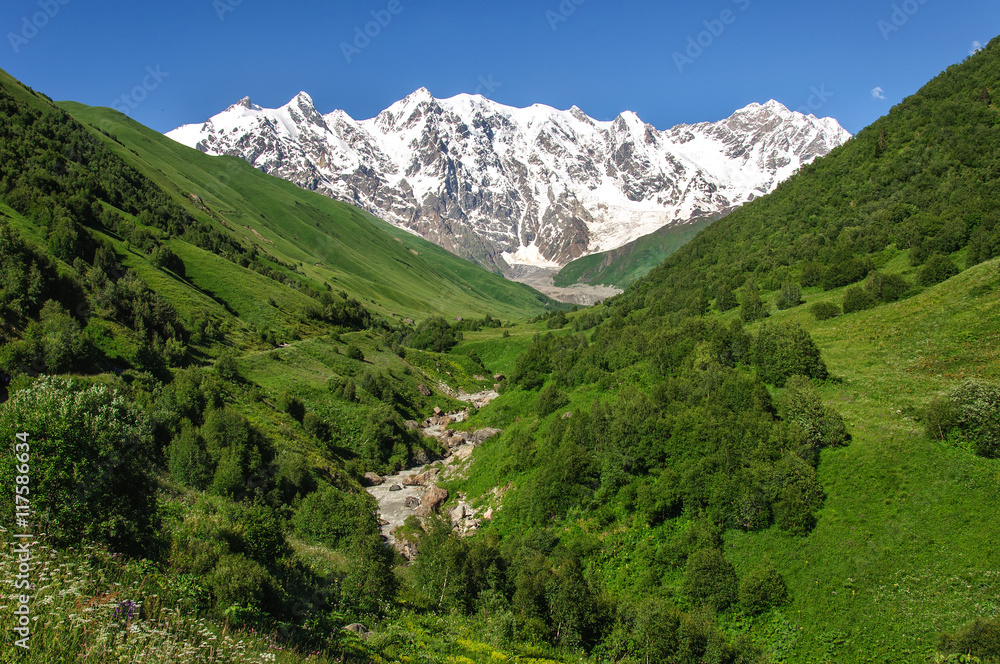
column 508, row 186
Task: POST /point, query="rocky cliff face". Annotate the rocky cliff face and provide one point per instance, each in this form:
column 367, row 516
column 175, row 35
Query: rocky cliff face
column 532, row 186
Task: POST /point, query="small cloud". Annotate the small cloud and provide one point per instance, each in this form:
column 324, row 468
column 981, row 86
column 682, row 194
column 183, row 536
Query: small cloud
column 878, row 93
column 977, row 46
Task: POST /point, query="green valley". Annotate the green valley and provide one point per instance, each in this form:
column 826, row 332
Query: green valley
column 782, row 444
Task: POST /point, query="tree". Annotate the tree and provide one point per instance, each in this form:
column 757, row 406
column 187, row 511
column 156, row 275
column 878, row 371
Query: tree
column 91, row 455
column 725, row 299
column 752, row 308
column 781, row 351
column 938, row 268
column 710, row 579
column 857, row 299
column 762, row 590
column 550, row 399
column 824, row 310
column 789, row 296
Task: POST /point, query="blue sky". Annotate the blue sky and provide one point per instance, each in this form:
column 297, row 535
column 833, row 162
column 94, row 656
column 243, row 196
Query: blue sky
column 171, row 63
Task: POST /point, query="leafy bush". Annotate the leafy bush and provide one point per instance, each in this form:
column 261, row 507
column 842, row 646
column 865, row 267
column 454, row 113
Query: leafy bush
column 886, row 287
column 240, row 582
column 354, row 353
column 752, row 307
column 845, row 272
column 331, row 517
column 188, row 459
column 710, row 579
column 550, row 399
column 291, row 404
column 436, row 335
column 227, row 368
column 824, row 310
column 938, row 268
column 164, row 258
column 980, row 639
column 90, row 462
column 799, row 495
column 781, row 351
column 972, row 414
column 762, row 590
column 789, row 296
column 857, row 299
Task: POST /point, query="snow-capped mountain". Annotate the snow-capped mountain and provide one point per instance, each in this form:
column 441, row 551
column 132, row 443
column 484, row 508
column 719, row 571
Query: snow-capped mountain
column 519, row 186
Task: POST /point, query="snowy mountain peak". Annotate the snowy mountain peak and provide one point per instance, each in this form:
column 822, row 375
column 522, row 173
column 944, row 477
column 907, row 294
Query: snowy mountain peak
column 506, row 186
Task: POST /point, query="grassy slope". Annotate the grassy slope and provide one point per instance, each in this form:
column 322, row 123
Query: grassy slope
column 906, row 546
column 620, row 267
column 332, row 241
column 907, row 542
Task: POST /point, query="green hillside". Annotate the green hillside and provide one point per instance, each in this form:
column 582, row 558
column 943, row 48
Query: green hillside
column 620, row 267
column 923, row 179
column 394, row 271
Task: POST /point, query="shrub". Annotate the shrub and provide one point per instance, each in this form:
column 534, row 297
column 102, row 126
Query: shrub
column 710, row 579
column 227, row 368
column 164, row 258
column 857, row 299
column 824, row 310
column 938, row 268
column 844, row 273
column 354, row 353
column 762, row 590
column 315, row 425
column 779, row 352
column 330, row 517
column 434, row 334
column 550, row 399
column 980, row 639
column 886, row 287
column 789, row 296
column 91, row 454
column 189, row 462
column 725, row 299
column 752, row 308
column 799, row 495
column 972, row 413
column 291, row 404
column 238, row 581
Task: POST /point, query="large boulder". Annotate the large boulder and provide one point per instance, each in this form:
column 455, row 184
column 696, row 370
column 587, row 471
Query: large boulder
column 371, row 479
column 431, row 501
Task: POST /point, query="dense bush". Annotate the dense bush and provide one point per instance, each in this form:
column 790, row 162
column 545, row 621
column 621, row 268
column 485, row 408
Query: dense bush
column 710, row 579
column 550, row 399
column 981, row 639
column 436, row 335
column 91, row 455
column 857, row 299
column 824, row 310
column 886, row 287
column 970, row 414
column 781, row 351
column 938, row 268
column 762, row 590
column 789, row 296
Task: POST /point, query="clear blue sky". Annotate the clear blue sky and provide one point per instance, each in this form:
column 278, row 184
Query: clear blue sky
column 605, row 56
